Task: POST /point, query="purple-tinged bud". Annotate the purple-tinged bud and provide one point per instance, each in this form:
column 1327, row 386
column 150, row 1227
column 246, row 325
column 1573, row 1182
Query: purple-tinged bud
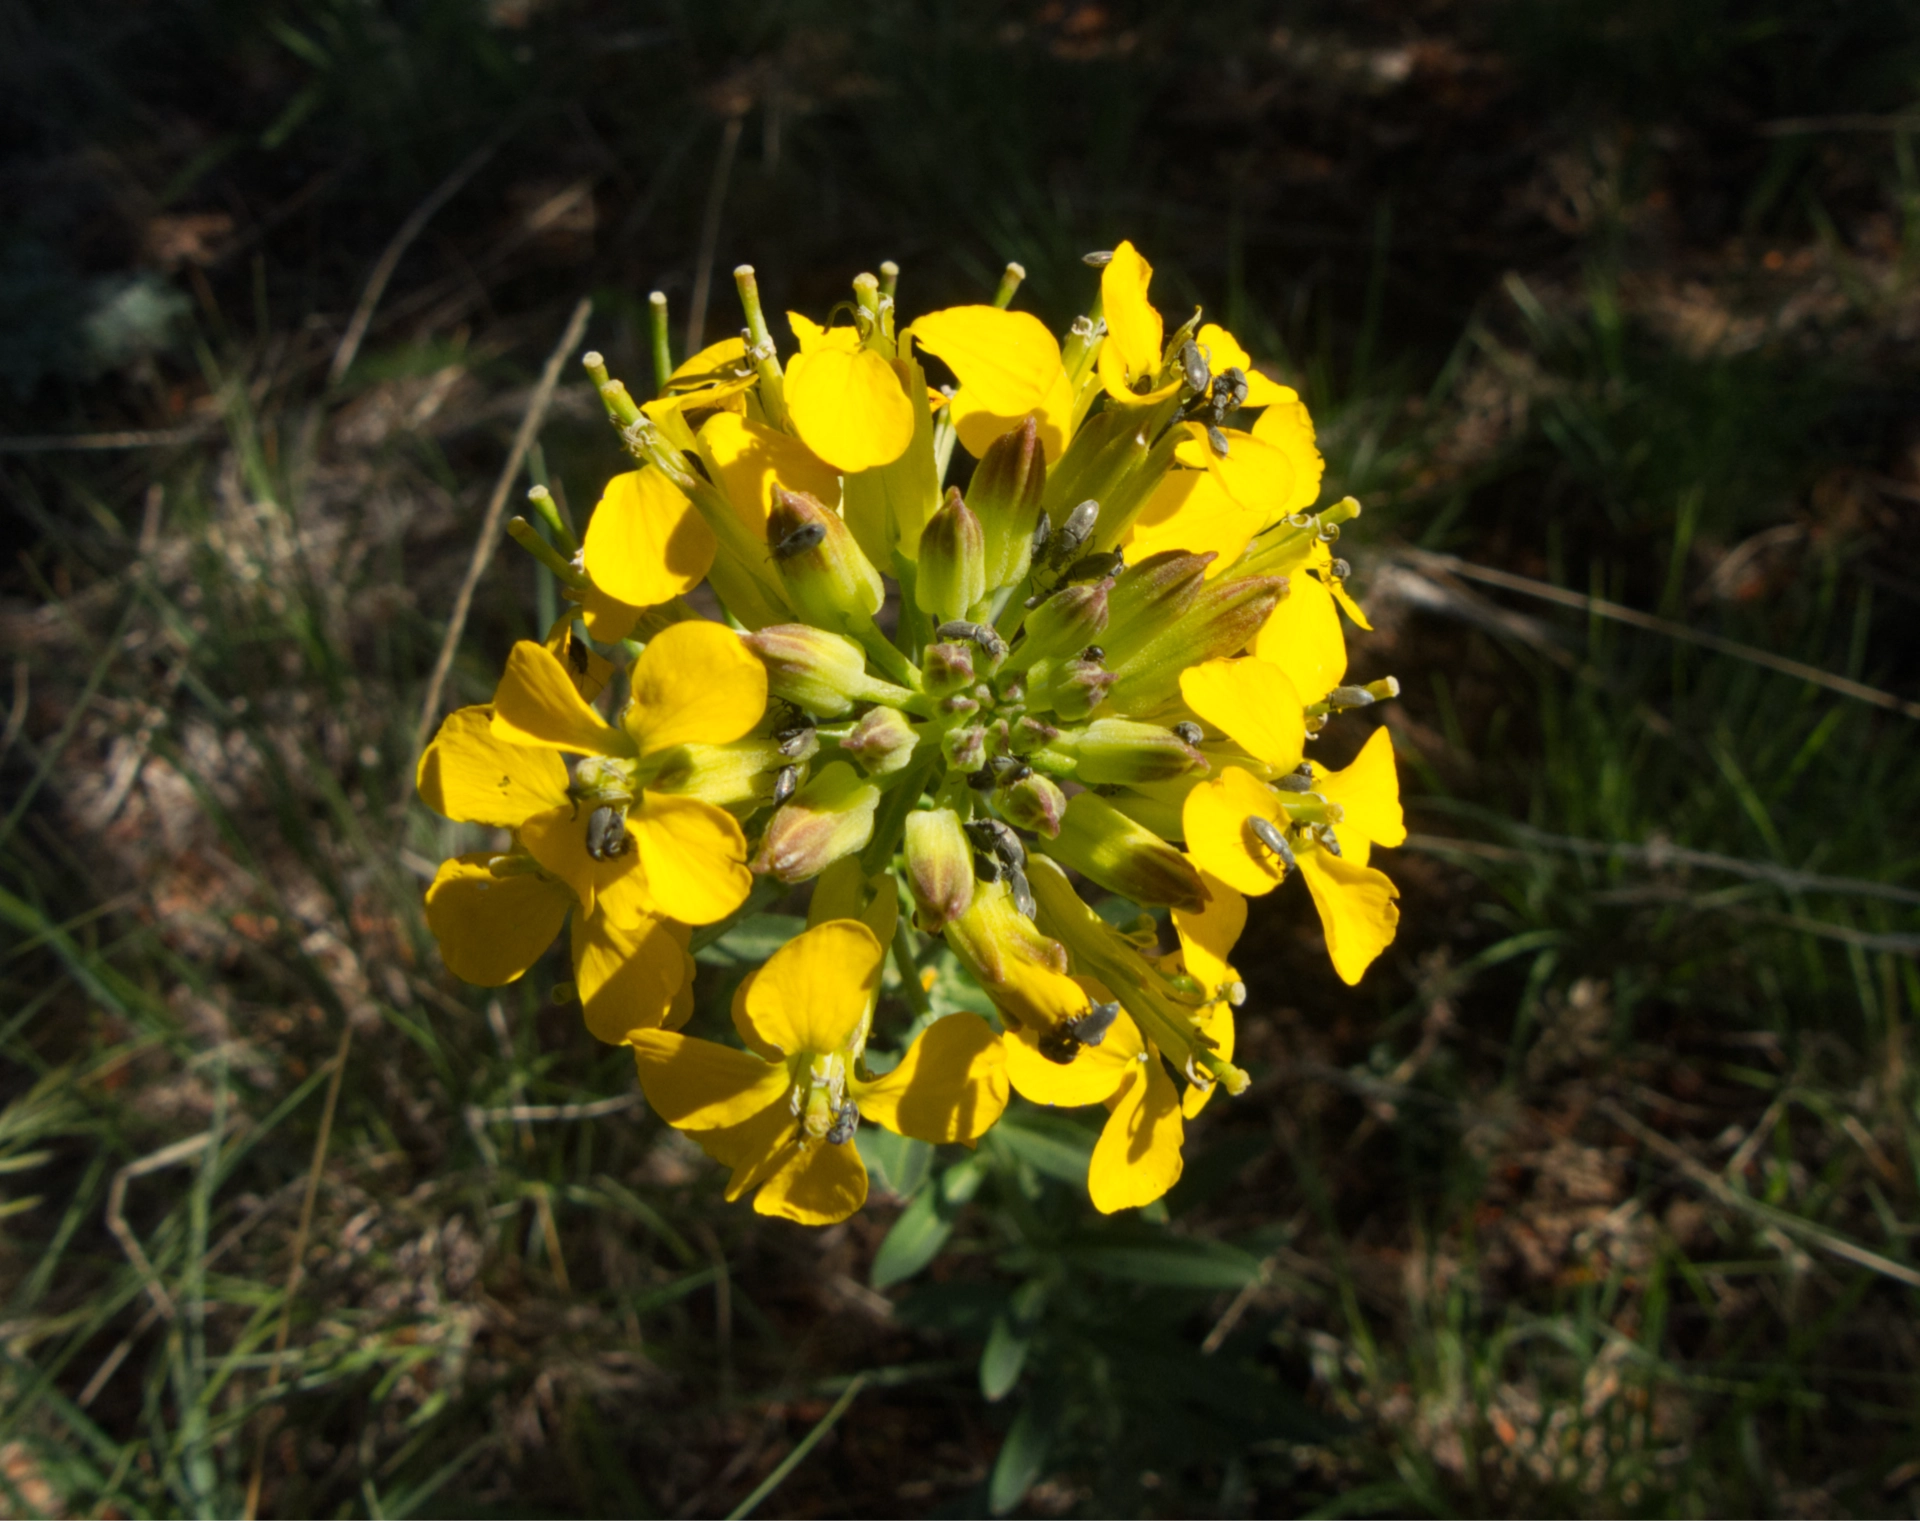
column 1070, row 688
column 939, row 867
column 965, row 748
column 827, row 576
column 952, row 575
column 882, row 741
column 1150, row 598
column 1120, row 750
column 1033, row 802
column 1030, row 734
column 1066, row 622
column 1005, row 495
column 823, row 673
column 830, row 817
column 1222, row 621
column 946, row 668
column 1103, row 844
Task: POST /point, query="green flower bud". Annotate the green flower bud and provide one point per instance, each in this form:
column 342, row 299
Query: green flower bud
column 827, row 576
column 952, row 574
column 830, row 817
column 1031, row 734
column 1222, row 620
column 826, row 674
column 1070, row 688
column 1120, row 750
column 1064, row 624
column 1161, row 815
column 882, row 741
column 1005, row 495
column 1033, row 802
column 1103, row 844
column 1150, row 598
column 939, row 865
column 946, row 668
column 965, row 748
column 738, row 777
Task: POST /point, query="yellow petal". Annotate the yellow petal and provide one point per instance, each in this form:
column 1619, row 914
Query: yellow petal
column 1287, row 427
column 812, row 337
column 713, row 365
column 694, row 856
column 628, row 975
column 608, row 619
column 818, row 1185
column 749, row 459
column 696, row 683
column 950, row 1086
column 849, row 408
column 700, row 1085
column 1357, row 908
column 1137, row 1158
column 1254, row 703
column 844, row 891
column 1218, row 840
column 1207, row 938
column 1261, row 478
column 1131, row 351
column 1368, row 792
column 1215, row 1022
column 491, row 929
column 586, row 668
column 1190, row 510
column 1094, row 1075
column 470, row 776
column 646, row 542
column 755, row 1148
column 1006, row 361
column 816, row 989
column 1224, row 352
column 681, row 1009
column 743, row 1022
column 979, row 425
column 557, row 839
column 1302, row 636
column 536, row 703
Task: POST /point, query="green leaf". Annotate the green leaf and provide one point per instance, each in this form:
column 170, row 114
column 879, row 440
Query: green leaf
column 1051, row 1145
column 1004, row 1357
column 898, row 1164
column 914, row 1241
column 1172, row 1263
column 1023, row 1458
column 752, row 940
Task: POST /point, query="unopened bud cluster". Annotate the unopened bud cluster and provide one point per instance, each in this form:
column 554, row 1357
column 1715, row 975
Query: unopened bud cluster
column 1096, row 674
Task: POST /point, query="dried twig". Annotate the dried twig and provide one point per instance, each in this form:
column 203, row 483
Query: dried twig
column 490, row 524
column 166, row 1156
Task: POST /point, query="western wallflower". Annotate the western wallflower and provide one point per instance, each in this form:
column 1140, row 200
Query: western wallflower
column 782, row 1112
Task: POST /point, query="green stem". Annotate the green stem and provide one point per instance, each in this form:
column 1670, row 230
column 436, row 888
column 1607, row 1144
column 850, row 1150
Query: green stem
column 909, row 966
column 528, row 538
column 1009, row 283
column 890, row 819
column 662, row 347
column 765, row 358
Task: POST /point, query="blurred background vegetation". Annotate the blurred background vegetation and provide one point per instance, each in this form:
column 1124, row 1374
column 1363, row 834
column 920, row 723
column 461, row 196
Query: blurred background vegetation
column 1599, row 1196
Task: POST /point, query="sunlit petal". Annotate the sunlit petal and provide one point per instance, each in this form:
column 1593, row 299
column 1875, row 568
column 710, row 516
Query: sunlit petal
column 470, row 775
column 815, row 990
column 950, row 1086
column 536, row 703
column 695, row 683
column 646, row 543
column 491, row 929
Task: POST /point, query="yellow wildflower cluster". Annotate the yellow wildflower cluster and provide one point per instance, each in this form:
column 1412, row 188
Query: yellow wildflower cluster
column 1104, row 659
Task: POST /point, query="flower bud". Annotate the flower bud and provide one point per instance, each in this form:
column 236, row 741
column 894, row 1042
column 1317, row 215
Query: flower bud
column 1070, row 688
column 1065, row 623
column 1222, row 620
column 827, row 576
column 823, row 673
column 946, row 668
column 1005, row 495
column 1034, row 802
column 965, row 748
column 1022, row 970
column 1120, row 750
column 882, row 741
column 952, row 574
column 738, row 777
column 830, row 817
column 1030, row 734
column 1103, row 844
column 939, row 867
column 1149, row 598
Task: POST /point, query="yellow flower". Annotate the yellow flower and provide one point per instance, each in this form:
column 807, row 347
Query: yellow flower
column 750, row 461
column 646, row 543
column 1131, row 356
column 1137, row 1158
column 495, row 914
column 1009, row 368
column 632, row 851
column 1328, row 830
column 846, row 402
column 781, row 1113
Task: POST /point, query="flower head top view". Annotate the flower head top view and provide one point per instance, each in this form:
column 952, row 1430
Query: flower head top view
column 1006, row 658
